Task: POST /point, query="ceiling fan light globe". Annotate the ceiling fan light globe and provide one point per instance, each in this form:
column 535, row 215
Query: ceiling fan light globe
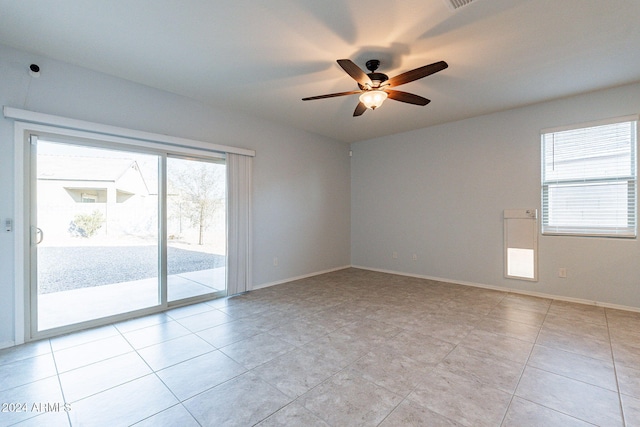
column 373, row 98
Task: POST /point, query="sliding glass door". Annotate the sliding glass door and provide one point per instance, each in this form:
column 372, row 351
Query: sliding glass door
column 196, row 228
column 118, row 232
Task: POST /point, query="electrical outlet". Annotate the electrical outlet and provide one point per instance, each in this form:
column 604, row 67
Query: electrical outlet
column 562, row 272
column 415, row 257
column 275, row 261
column 394, row 255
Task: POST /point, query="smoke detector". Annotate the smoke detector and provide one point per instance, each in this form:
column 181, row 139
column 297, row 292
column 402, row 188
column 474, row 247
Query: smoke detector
column 456, row 4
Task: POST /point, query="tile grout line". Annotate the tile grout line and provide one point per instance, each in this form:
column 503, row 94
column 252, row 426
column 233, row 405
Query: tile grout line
column 215, row 348
column 524, row 367
column 134, row 350
column 484, row 316
column 55, row 363
column 414, row 388
column 560, row 375
column 343, row 369
column 155, row 373
column 405, row 397
column 615, row 369
column 447, row 355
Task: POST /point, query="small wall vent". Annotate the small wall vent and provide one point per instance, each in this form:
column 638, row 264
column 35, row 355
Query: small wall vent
column 456, row 4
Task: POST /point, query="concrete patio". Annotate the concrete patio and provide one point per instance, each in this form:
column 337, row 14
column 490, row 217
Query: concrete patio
column 78, row 305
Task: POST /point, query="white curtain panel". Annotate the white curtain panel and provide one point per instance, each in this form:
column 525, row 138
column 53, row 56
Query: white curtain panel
column 238, row 223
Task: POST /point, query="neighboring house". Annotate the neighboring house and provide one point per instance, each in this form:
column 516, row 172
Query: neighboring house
column 73, row 185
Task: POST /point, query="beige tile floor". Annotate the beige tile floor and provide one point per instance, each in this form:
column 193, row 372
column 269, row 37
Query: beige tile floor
column 347, row 348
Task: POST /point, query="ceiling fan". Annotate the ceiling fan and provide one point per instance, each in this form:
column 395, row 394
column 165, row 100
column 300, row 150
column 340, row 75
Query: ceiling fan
column 375, row 87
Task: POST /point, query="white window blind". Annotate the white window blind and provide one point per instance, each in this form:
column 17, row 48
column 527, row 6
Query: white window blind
column 589, row 180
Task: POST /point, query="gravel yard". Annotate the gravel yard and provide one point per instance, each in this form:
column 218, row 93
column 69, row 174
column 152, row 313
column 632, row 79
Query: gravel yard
column 65, row 268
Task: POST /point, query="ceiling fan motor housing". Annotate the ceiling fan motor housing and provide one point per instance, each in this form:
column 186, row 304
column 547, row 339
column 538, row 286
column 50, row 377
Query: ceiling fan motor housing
column 377, row 78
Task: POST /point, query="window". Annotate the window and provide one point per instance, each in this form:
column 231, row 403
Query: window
column 88, row 198
column 589, row 180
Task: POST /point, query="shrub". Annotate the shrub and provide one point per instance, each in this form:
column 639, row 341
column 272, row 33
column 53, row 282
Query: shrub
column 90, row 223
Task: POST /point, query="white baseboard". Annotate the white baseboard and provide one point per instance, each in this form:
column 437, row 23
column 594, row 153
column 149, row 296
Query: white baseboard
column 503, row 289
column 7, row 344
column 305, row 276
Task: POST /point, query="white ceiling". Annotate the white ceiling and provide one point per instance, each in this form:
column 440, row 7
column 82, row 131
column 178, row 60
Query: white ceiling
column 262, row 57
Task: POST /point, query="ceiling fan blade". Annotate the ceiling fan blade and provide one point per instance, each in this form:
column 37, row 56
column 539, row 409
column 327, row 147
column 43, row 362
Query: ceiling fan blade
column 409, row 98
column 332, row 95
column 355, row 72
column 360, row 109
column 417, row 73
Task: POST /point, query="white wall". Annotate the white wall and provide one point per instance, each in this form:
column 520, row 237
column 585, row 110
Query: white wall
column 440, row 192
column 301, row 181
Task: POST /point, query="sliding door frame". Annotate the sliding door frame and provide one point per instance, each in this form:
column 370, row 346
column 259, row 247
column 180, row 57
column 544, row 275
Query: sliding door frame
column 25, row 323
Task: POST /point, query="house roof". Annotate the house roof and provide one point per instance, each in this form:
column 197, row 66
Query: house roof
column 81, row 168
column 261, row 58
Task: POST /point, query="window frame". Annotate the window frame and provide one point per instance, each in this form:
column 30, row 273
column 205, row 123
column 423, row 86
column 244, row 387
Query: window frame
column 630, row 232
